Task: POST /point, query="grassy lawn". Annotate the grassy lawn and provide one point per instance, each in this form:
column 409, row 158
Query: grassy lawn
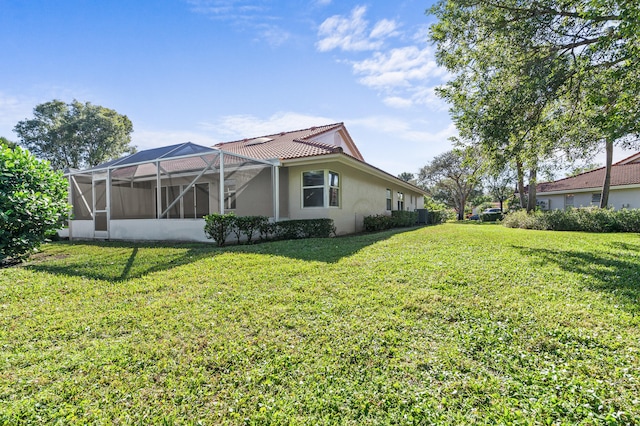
column 451, row 324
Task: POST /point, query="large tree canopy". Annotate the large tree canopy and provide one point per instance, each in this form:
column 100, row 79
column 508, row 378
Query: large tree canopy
column 75, row 135
column 452, row 177
column 535, row 77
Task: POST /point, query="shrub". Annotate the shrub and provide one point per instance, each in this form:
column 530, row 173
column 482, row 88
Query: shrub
column 218, row 226
column 378, row 222
column 33, row 202
column 436, row 217
column 304, row 228
column 583, row 219
column 400, row 218
column 490, row 217
column 248, row 226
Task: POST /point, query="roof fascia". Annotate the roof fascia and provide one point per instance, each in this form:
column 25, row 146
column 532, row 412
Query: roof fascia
column 592, row 189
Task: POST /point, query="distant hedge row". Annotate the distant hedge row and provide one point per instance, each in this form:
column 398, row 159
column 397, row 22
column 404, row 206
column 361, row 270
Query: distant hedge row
column 590, row 219
column 219, row 227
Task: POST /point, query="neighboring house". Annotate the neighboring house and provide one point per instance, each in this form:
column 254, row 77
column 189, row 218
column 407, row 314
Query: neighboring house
column 163, row 193
column 585, row 189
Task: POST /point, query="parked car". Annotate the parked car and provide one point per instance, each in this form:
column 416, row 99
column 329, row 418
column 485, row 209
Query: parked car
column 491, row 215
column 488, row 211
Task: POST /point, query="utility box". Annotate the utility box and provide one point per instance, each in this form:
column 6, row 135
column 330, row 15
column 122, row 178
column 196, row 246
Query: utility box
column 423, row 216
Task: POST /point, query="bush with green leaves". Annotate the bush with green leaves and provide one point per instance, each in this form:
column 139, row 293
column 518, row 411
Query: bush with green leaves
column 379, row 222
column 304, row 228
column 249, row 226
column 219, row 226
column 583, row 219
column 401, row 218
column 33, row 202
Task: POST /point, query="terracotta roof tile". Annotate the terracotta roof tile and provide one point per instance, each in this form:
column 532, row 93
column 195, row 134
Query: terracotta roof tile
column 284, row 145
column 625, row 174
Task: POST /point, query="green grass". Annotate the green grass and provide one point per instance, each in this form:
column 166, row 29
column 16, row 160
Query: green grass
column 454, row 324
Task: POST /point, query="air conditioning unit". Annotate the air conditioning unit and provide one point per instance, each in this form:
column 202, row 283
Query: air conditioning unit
column 544, row 204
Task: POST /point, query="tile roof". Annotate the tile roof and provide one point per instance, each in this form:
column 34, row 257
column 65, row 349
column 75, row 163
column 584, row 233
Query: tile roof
column 285, row 145
column 621, row 174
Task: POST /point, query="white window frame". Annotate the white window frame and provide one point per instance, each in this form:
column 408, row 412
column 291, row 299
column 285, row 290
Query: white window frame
column 326, row 189
column 568, row 204
column 389, row 200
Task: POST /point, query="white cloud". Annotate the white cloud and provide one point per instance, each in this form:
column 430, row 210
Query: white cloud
column 350, row 33
column 398, row 102
column 274, row 35
column 402, row 129
column 384, row 28
column 234, row 127
column 397, row 67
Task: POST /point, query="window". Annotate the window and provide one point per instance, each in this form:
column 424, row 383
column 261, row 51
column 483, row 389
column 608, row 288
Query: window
column 568, row 201
column 334, row 189
column 318, row 184
column 595, row 198
column 400, row 201
column 389, row 201
column 230, row 194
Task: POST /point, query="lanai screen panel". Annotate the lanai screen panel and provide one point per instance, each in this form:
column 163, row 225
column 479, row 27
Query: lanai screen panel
column 186, row 186
column 80, row 187
column 248, row 186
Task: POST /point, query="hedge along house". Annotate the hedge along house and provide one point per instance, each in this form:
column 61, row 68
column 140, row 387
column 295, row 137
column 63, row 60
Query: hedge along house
column 163, row 193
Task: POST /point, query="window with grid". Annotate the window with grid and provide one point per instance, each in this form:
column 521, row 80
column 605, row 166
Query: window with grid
column 320, row 188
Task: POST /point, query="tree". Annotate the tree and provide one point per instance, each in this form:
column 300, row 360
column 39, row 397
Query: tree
column 6, row 142
column 569, row 63
column 575, row 171
column 405, row 176
column 452, row 177
column 33, row 202
column 500, row 185
column 75, row 135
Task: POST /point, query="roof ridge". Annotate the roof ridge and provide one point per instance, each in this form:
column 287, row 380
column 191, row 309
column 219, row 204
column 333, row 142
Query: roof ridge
column 323, row 127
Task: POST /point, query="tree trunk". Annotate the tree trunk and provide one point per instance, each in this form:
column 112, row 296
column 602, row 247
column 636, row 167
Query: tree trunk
column 520, row 172
column 463, row 202
column 533, row 179
column 604, row 197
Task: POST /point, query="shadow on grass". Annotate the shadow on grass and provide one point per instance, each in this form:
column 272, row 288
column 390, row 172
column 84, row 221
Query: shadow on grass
column 122, row 261
column 616, row 271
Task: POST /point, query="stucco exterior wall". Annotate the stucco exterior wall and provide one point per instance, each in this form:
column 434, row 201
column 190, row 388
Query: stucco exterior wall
column 361, row 194
column 618, row 198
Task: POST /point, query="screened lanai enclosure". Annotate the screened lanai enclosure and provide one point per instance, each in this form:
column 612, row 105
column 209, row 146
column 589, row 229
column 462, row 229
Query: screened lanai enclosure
column 163, row 193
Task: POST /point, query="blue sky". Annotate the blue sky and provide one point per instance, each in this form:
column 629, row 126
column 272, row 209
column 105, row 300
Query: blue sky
column 210, row 71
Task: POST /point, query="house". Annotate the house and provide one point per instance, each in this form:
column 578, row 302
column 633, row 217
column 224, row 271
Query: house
column 585, row 189
column 163, row 193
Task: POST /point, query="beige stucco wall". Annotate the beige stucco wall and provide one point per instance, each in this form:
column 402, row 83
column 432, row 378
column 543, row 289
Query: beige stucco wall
column 361, row 194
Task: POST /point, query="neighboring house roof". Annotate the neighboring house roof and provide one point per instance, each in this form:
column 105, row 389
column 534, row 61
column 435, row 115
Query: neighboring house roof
column 294, row 144
column 621, row 174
